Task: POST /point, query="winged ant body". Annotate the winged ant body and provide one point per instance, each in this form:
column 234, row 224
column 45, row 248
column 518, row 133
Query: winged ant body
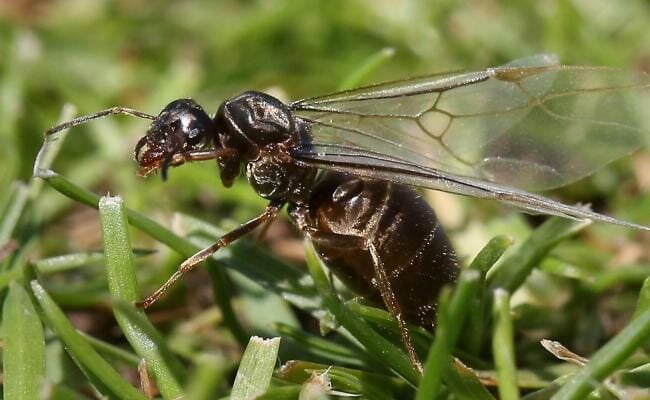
column 344, row 163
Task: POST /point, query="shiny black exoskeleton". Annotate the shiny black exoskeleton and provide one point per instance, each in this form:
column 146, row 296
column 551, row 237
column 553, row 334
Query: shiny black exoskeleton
column 257, row 129
column 380, row 238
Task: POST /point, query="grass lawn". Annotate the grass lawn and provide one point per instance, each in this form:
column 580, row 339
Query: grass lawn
column 544, row 307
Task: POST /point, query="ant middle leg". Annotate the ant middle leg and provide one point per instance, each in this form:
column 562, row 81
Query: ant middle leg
column 191, row 263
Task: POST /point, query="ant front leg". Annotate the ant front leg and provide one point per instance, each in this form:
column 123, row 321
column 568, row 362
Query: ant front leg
column 202, row 155
column 181, row 158
column 191, row 263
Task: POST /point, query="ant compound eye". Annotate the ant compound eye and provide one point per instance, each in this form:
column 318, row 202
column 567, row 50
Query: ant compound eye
column 195, row 131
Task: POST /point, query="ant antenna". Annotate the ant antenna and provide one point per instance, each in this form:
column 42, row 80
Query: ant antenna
column 100, row 114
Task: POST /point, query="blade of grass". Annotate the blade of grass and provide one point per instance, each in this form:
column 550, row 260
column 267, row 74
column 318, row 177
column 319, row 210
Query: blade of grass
column 639, row 376
column 62, row 392
column 222, row 289
column 15, row 207
column 607, row 359
column 473, row 336
column 367, row 68
column 120, row 271
column 629, row 274
column 347, row 382
column 503, row 347
column 209, row 375
column 256, row 368
column 368, row 384
column 281, row 393
column 47, row 154
column 58, row 264
column 643, row 303
column 79, row 295
column 9, row 276
column 112, row 351
column 76, row 260
column 377, row 346
column 514, row 270
column 439, row 354
column 321, row 347
column 450, row 319
column 383, row 320
column 490, row 254
column 465, row 384
column 104, row 377
column 23, row 352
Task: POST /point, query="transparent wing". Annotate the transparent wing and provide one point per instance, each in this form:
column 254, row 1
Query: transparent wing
column 531, row 124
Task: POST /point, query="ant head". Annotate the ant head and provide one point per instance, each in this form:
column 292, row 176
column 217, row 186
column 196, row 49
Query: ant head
column 180, row 127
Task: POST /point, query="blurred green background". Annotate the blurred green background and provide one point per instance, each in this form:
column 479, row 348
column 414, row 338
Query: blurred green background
column 132, row 53
column 143, row 54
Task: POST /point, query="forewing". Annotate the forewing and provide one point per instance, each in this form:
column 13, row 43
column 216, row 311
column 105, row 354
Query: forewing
column 530, row 127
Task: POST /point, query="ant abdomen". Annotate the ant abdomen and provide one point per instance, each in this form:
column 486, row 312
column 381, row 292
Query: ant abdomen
column 411, row 245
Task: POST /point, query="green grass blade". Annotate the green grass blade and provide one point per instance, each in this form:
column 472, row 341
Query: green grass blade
column 362, row 72
column 643, row 305
column 256, row 368
column 290, row 392
column 9, row 276
column 450, row 319
column 465, row 384
column 503, row 347
column 222, row 289
column 384, row 321
column 111, row 351
column 122, row 284
column 321, row 347
column 639, row 376
column 368, row 384
column 62, row 392
column 47, row 154
column 607, row 359
column 56, row 264
column 16, row 205
column 438, row 358
column 473, row 336
column 643, row 302
column 67, row 188
column 514, row 270
column 71, row 261
column 209, row 375
column 23, row 353
column 104, row 377
column 490, row 254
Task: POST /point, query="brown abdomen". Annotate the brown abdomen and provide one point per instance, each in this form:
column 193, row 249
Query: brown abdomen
column 413, row 248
